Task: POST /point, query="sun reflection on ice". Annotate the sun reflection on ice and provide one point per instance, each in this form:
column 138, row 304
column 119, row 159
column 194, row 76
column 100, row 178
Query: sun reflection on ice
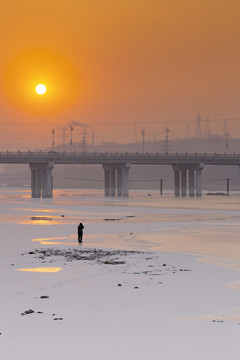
column 42, row 269
column 56, row 240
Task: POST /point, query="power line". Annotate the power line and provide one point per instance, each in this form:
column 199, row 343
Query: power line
column 40, row 123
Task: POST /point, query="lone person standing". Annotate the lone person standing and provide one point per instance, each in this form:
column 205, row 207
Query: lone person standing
column 80, row 232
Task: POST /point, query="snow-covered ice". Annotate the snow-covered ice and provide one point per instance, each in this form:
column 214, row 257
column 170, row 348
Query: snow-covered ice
column 154, row 278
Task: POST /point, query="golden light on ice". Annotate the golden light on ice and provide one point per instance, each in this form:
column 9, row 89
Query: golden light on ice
column 40, row 89
column 42, row 269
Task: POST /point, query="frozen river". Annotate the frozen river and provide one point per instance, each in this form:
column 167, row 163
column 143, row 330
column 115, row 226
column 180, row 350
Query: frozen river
column 207, row 226
column 159, row 302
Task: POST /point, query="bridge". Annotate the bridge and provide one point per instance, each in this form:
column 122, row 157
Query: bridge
column 116, row 168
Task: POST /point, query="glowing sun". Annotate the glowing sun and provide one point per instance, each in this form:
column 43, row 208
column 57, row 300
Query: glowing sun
column 40, row 89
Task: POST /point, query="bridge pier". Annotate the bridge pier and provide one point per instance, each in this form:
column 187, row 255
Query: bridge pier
column 41, row 180
column 47, row 180
column 176, row 181
column 199, row 180
column 119, row 182
column 184, row 182
column 191, row 183
column 106, row 181
column 116, row 179
column 36, row 180
column 125, row 172
column 180, row 179
column 112, row 182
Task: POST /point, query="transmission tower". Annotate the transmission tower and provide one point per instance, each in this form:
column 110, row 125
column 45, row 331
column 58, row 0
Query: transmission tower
column 207, row 133
column 93, row 137
column 198, row 127
column 226, row 134
column 71, row 141
column 84, row 139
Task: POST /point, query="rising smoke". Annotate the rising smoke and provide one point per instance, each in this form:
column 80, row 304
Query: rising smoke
column 76, row 123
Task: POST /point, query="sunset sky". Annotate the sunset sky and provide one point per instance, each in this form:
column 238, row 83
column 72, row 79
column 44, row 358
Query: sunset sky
column 119, row 67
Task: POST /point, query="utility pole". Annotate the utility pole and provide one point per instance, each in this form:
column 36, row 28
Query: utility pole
column 63, row 137
column 167, row 131
column 224, row 126
column 143, row 143
column 227, row 187
column 53, row 144
column 161, row 187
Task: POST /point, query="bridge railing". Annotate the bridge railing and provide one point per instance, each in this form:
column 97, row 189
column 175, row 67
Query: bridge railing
column 114, row 155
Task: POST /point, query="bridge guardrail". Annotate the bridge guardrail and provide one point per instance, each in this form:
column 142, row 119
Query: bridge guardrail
column 107, row 157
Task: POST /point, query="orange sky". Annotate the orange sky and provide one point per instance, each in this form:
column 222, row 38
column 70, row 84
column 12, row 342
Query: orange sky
column 118, row 66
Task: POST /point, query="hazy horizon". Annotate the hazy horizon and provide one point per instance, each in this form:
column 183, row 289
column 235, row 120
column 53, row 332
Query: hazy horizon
column 118, row 68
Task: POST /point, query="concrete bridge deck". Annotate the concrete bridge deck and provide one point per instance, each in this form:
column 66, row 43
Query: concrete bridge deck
column 119, row 158
column 187, row 168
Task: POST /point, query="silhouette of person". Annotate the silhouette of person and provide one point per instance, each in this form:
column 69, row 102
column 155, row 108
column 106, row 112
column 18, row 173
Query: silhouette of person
column 80, row 232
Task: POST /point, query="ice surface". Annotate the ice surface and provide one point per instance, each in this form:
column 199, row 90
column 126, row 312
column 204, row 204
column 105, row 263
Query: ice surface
column 158, row 301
